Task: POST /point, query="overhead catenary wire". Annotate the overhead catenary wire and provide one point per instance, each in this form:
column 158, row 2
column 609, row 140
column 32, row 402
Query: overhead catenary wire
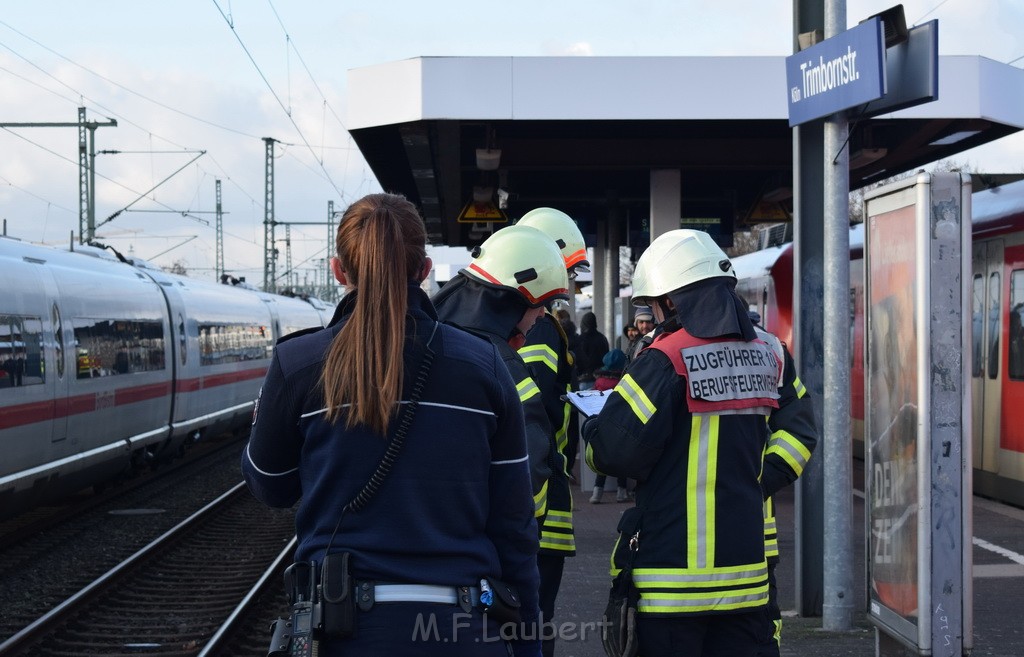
column 277, row 97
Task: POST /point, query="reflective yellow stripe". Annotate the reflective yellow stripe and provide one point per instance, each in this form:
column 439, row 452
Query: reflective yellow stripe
column 771, row 536
column 721, row 576
column 562, row 435
column 658, row 602
column 791, row 450
column 556, row 533
column 636, row 398
column 527, row 388
column 540, row 353
column 677, row 590
column 799, row 387
column 701, row 478
column 540, row 501
column 554, row 541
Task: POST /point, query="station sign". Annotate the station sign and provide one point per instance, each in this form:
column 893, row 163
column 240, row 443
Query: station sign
column 841, row 72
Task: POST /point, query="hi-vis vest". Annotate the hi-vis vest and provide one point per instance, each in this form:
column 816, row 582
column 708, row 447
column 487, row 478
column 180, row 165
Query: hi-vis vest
column 707, row 556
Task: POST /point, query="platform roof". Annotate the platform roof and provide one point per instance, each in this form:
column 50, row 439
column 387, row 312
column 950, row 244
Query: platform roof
column 583, row 133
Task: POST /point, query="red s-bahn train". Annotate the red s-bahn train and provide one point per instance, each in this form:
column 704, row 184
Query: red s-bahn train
column 997, row 353
column 107, row 365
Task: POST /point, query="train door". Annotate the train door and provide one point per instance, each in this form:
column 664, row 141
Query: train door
column 60, row 374
column 1011, row 438
column 986, row 308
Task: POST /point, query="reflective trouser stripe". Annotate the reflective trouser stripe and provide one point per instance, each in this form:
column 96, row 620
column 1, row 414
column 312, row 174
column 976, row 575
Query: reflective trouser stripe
column 701, row 478
column 791, row 450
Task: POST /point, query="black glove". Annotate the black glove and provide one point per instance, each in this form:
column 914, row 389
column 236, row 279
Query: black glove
column 618, row 630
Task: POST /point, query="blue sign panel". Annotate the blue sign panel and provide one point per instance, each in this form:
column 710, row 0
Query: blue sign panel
column 841, row 72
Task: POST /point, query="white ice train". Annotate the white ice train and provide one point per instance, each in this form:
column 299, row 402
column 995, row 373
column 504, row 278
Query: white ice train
column 107, row 365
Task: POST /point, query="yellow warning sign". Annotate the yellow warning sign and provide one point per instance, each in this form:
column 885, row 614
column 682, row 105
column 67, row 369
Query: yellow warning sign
column 767, row 211
column 475, row 212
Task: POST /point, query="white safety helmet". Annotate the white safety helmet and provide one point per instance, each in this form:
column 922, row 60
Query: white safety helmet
column 676, row 259
column 524, row 259
column 560, row 227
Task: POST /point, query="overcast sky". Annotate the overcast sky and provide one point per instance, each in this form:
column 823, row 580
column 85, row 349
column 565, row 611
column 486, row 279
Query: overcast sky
column 185, row 76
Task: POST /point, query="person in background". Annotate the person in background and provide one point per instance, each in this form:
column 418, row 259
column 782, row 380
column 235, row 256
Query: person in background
column 629, row 334
column 644, row 320
column 336, row 400
column 548, row 356
column 606, row 379
column 693, row 546
column 592, row 347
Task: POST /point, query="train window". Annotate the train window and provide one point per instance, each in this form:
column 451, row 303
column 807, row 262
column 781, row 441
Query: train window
column 1016, row 332
column 233, row 343
column 21, row 351
column 993, row 325
column 58, row 336
column 977, row 325
column 109, row 347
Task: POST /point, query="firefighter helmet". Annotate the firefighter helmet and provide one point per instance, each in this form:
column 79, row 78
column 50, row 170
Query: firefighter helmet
column 676, row 259
column 560, row 227
column 523, row 259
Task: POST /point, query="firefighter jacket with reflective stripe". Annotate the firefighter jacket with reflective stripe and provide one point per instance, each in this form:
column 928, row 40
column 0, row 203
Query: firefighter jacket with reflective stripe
column 492, row 312
column 699, row 509
column 546, row 354
column 794, row 435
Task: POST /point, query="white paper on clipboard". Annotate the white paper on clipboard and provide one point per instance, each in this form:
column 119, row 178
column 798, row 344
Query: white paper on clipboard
column 588, row 402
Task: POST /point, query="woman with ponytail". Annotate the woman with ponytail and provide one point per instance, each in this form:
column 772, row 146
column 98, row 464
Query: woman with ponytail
column 402, row 440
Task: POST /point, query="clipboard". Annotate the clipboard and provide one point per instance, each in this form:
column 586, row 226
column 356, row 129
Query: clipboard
column 588, row 402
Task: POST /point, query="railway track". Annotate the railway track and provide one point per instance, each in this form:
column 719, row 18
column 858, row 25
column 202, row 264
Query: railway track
column 190, row 585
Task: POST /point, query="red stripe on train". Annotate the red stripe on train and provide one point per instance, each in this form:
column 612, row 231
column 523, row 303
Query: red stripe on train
column 50, row 409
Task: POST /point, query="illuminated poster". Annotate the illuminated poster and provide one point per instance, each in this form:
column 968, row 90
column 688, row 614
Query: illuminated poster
column 892, row 415
column 917, row 274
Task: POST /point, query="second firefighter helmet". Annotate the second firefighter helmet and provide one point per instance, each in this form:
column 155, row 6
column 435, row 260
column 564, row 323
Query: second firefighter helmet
column 560, row 227
column 676, row 259
column 523, row 259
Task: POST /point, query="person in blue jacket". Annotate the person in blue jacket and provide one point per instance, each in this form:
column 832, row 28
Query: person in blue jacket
column 451, row 502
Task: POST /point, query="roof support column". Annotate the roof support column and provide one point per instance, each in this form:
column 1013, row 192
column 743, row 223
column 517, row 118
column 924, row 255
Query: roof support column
column 666, row 201
column 605, row 272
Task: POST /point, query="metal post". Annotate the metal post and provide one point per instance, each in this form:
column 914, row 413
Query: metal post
column 837, row 608
column 219, row 264
column 808, row 276
column 269, row 248
column 83, row 177
column 91, row 216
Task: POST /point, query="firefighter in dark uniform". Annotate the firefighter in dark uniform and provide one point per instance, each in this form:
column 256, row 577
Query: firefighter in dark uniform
column 688, row 422
column 794, row 435
column 514, row 275
column 546, row 354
